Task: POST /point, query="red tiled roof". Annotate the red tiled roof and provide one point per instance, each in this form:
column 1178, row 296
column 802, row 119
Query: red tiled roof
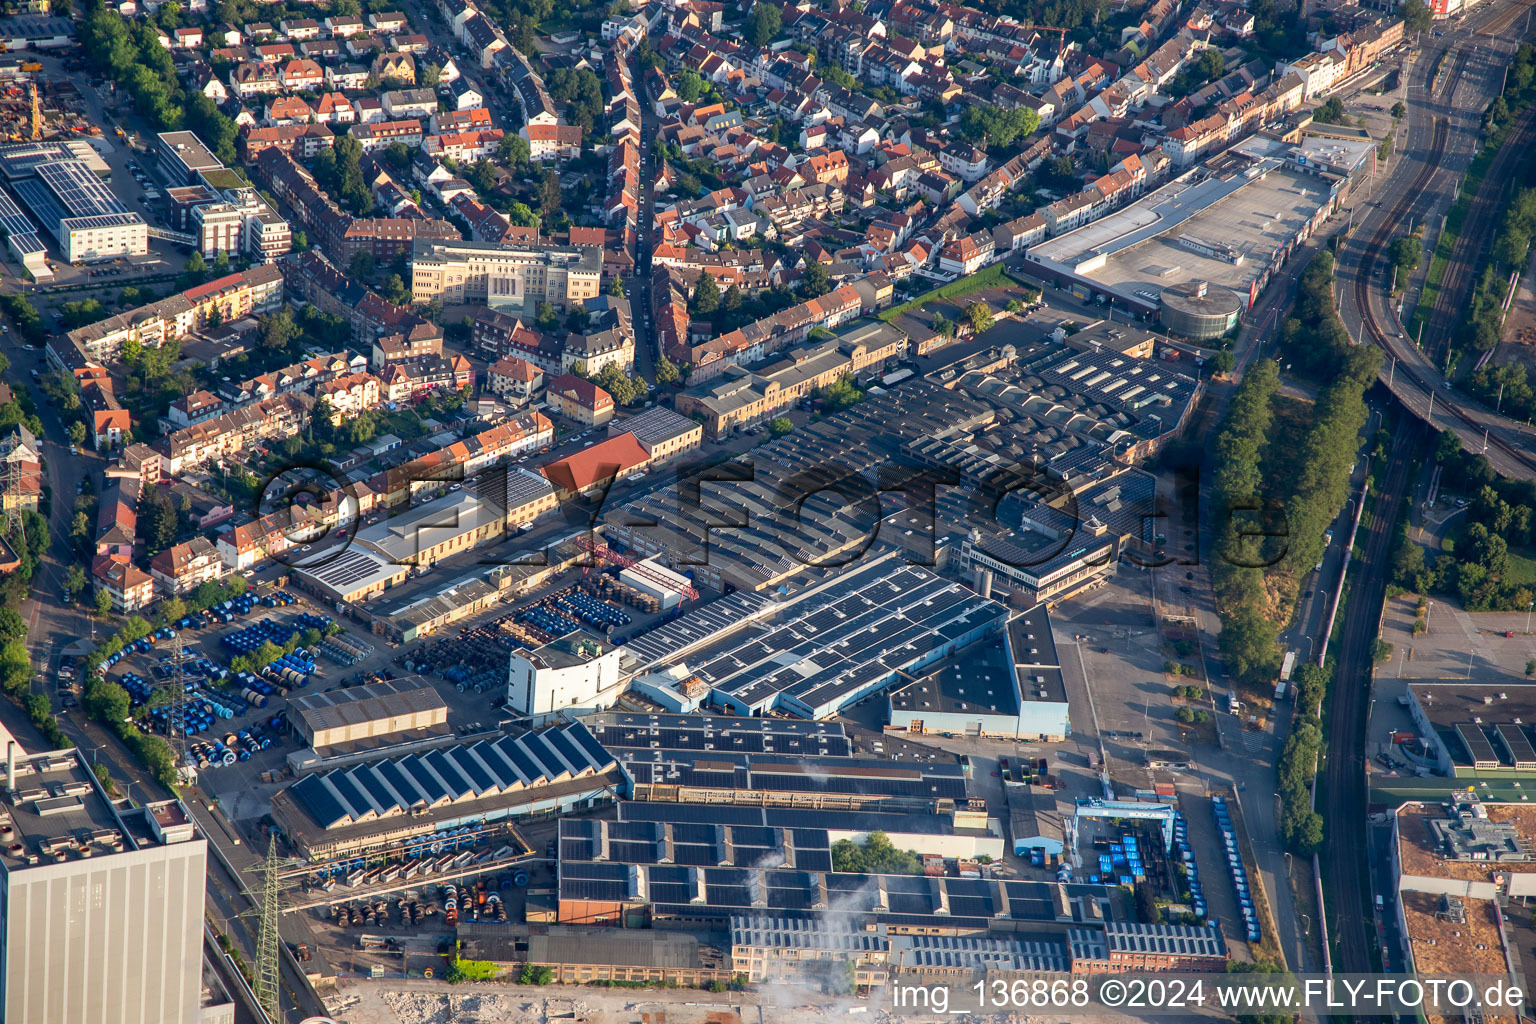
column 599, row 462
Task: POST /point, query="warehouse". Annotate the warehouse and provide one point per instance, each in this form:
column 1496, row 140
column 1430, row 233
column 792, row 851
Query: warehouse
column 351, row 577
column 653, row 578
column 1229, row 224
column 434, row 530
column 358, row 717
column 378, row 806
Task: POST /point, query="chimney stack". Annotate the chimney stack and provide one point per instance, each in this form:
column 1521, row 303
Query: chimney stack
column 10, row 766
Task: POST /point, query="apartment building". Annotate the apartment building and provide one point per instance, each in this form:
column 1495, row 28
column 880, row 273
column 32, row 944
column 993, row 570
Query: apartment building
column 230, row 297
column 185, row 567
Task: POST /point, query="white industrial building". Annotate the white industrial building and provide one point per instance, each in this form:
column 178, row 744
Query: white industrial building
column 653, row 578
column 577, row 673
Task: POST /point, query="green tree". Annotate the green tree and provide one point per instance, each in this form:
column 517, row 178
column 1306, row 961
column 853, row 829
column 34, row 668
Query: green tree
column 74, row 579
column 76, row 432
column 781, row 425
column 197, row 268
column 666, row 371
column 1416, row 16
column 763, row 23
column 545, row 316
column 276, row 331
column 816, row 281
column 362, row 265
column 616, row 287
column 103, row 601
column 980, row 316
column 1399, row 111
column 706, row 298
column 689, row 86
column 513, row 150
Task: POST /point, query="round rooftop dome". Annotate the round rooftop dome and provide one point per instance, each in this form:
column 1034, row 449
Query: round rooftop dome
column 1199, row 309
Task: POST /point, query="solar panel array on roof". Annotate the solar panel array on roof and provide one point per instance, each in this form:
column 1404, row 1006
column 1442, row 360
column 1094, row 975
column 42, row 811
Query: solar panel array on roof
column 669, row 640
column 616, row 729
column 843, row 641
column 80, row 192
column 1477, row 744
column 916, row 782
column 1173, row 939
column 447, row 775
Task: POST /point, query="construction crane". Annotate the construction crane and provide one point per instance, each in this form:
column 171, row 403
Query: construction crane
column 602, row 554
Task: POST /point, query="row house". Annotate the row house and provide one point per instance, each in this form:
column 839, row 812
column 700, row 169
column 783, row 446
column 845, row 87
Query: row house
column 250, row 544
column 382, row 134
column 415, row 379
column 197, row 407
column 228, row 298
column 304, row 141
column 1019, row 233
column 460, row 120
column 758, row 340
column 386, row 238
column 523, row 433
column 297, row 377
column 184, row 567
column 235, row 432
column 465, row 147
column 552, row 141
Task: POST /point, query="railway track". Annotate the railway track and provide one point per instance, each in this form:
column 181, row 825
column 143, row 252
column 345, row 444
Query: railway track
column 1501, row 24
column 1369, row 320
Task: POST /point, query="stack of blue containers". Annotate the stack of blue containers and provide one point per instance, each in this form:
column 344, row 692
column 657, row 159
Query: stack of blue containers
column 1186, row 856
column 1235, row 864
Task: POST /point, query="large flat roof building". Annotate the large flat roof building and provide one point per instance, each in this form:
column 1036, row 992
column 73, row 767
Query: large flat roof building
column 1228, row 224
column 379, row 806
column 86, row 218
column 101, row 910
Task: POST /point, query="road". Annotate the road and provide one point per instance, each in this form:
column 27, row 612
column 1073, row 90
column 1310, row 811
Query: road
column 647, row 345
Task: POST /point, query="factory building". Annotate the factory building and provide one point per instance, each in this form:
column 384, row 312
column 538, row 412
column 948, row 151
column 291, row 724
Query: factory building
column 87, row 220
column 357, row 717
column 831, row 645
column 574, row 674
column 101, row 910
column 1007, row 690
column 768, row 762
column 377, row 807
